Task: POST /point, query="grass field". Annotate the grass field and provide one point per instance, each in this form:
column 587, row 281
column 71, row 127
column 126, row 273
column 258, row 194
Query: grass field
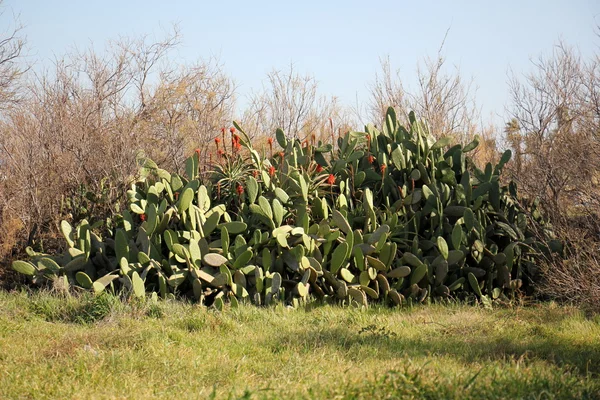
column 52, row 346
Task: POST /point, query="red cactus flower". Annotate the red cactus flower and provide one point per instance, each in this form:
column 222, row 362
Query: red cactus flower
column 217, row 141
column 319, row 168
column 240, row 189
column 383, row 167
column 143, row 217
column 371, row 159
column 223, row 130
column 271, row 170
column 270, row 141
column 255, row 173
column 237, row 145
column 221, row 153
column 197, row 151
column 232, row 130
column 331, row 179
column 281, row 154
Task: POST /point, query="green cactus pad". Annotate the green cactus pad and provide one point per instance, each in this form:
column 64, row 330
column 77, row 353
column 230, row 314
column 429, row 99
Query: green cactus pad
column 46, row 263
column 376, row 263
column 84, row 280
column 338, row 258
column 346, row 275
column 418, row 274
column 235, row 227
column 474, row 284
column 214, row 259
column 341, row 221
column 243, row 259
column 24, row 267
column 76, row 264
column 399, row 272
column 412, row 260
column 442, row 247
column 138, row 285
column 396, row 297
column 358, row 296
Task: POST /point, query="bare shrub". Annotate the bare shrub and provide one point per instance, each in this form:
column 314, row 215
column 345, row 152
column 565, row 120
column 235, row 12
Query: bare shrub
column 291, row 101
column 441, row 98
column 69, row 147
column 186, row 111
column 575, row 279
column 554, row 134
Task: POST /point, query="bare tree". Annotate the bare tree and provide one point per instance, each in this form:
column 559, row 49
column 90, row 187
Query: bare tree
column 554, row 129
column 445, row 101
column 11, row 67
column 289, row 101
column 387, row 91
column 442, row 99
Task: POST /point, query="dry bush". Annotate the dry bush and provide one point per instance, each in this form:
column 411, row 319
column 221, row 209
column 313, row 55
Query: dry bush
column 488, row 150
column 442, row 99
column 554, row 134
column 291, row 101
column 68, row 149
column 575, row 279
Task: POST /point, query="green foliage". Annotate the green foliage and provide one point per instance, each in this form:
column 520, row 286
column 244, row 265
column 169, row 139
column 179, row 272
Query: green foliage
column 390, row 216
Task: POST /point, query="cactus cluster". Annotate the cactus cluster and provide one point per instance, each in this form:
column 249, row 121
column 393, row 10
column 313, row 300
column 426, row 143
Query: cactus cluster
column 387, row 215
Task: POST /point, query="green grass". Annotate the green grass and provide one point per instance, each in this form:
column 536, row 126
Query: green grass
column 53, row 346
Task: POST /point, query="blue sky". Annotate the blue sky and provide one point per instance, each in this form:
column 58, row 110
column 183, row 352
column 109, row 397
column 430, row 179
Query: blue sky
column 339, row 42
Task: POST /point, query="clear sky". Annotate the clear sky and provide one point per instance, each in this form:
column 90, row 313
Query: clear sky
column 339, row 42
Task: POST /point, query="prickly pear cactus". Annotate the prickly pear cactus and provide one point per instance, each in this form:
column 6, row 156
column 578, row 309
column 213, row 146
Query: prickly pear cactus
column 387, row 216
